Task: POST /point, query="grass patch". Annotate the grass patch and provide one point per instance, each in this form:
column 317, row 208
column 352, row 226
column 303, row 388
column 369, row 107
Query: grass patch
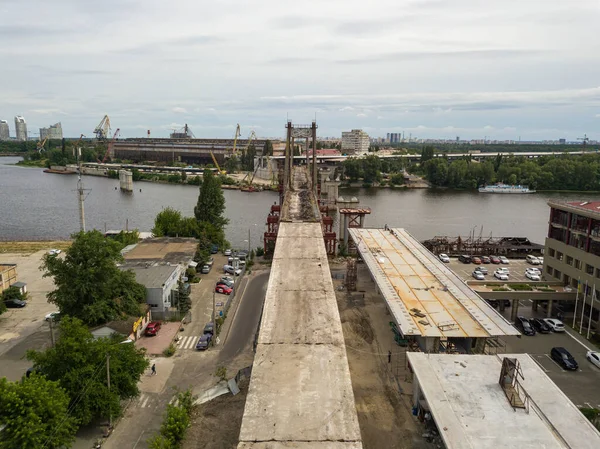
column 170, row 351
column 545, row 289
column 521, row 287
column 32, row 247
column 501, row 289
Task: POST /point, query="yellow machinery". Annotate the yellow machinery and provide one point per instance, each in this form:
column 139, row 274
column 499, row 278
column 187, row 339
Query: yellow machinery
column 102, row 131
column 221, row 172
column 40, row 145
column 235, row 138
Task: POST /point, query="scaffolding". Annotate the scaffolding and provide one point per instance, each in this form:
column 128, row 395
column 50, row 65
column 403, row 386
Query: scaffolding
column 351, row 274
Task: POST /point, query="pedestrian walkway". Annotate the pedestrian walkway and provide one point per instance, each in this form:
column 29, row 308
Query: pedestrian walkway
column 188, row 341
column 146, row 400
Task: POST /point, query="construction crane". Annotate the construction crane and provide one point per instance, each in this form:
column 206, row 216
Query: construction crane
column 585, row 139
column 221, row 172
column 102, row 131
column 76, row 147
column 235, row 138
column 40, row 145
column 109, row 147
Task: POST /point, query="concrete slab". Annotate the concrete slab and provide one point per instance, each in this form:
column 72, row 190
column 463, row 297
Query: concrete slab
column 298, row 317
column 300, row 230
column 300, row 445
column 300, row 393
column 301, row 274
column 157, row 344
column 299, row 248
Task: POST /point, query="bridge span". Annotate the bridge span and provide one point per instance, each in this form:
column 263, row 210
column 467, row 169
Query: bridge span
column 300, row 393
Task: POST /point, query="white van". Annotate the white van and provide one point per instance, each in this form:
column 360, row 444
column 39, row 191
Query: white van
column 533, row 260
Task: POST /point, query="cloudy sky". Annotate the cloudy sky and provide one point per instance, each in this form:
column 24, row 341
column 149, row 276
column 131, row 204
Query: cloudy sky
column 433, row 68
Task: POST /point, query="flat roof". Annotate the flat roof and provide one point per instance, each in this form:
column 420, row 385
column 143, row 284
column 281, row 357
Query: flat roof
column 152, row 276
column 588, row 208
column 471, row 409
column 300, row 392
column 177, row 250
column 424, row 296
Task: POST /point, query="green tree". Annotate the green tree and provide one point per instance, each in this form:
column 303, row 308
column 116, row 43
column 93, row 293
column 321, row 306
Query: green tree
column 12, row 293
column 35, row 412
column 211, row 202
column 397, row 179
column 167, row 223
column 184, row 303
column 89, row 285
column 232, row 165
column 269, row 148
column 371, row 168
column 247, row 159
column 78, row 363
column 352, row 168
column 427, row 153
column 126, row 238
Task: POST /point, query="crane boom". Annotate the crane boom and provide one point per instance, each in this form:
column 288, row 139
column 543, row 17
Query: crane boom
column 221, row 172
column 235, row 138
column 109, row 148
column 40, row 145
column 102, row 131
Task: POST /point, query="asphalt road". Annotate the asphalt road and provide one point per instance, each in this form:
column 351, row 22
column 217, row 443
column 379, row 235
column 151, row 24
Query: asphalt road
column 246, row 318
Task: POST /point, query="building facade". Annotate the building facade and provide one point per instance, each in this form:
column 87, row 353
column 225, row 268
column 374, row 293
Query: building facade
column 394, row 137
column 52, row 132
column 572, row 252
column 20, row 128
column 4, row 130
column 355, row 142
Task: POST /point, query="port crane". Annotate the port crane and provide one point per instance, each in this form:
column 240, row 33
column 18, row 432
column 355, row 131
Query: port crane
column 235, row 138
column 109, row 147
column 585, row 139
column 102, row 131
column 221, row 172
column 40, row 145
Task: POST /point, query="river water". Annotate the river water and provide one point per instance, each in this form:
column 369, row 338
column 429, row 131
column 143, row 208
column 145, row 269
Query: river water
column 35, row 205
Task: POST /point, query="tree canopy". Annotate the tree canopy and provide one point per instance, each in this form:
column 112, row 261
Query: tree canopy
column 35, row 412
column 78, row 363
column 89, row 285
column 211, row 202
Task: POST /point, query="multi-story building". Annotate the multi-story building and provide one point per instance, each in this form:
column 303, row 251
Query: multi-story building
column 572, row 253
column 20, row 128
column 355, row 142
column 4, row 130
column 52, row 132
column 394, row 137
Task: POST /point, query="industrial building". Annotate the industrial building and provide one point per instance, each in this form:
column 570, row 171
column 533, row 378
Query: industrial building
column 52, row 132
column 572, row 252
column 493, row 402
column 21, row 128
column 429, row 303
column 8, row 275
column 4, row 130
column 355, row 142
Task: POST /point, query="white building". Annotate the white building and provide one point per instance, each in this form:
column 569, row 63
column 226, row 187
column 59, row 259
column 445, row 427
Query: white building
column 160, row 282
column 4, row 130
column 21, row 128
column 355, row 142
column 52, row 132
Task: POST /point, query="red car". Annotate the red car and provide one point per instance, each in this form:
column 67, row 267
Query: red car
column 223, row 289
column 153, row 328
column 476, row 260
column 495, row 260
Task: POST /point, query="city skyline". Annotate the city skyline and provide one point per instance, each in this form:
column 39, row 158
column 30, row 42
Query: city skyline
column 430, row 68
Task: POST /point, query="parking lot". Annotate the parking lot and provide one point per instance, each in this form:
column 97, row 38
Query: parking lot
column 516, row 267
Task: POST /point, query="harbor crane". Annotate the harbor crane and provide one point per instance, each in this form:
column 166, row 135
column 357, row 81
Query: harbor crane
column 235, row 138
column 585, row 139
column 40, row 145
column 102, row 131
column 109, row 147
column 221, row 172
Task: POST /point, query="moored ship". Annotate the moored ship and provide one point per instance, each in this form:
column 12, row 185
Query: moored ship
column 505, row 188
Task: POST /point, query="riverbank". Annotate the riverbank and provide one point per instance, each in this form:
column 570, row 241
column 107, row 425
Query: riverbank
column 40, row 163
column 30, row 247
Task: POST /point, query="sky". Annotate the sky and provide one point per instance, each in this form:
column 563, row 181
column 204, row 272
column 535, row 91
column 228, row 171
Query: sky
column 501, row 69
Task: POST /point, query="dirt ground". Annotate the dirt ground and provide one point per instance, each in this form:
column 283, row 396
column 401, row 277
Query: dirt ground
column 216, row 424
column 384, row 412
column 32, row 247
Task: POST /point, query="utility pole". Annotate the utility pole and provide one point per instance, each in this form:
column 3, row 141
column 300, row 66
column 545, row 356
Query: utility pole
column 108, row 383
column 80, row 193
column 248, row 242
column 51, row 331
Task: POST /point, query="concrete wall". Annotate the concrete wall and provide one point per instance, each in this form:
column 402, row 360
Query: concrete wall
column 8, row 276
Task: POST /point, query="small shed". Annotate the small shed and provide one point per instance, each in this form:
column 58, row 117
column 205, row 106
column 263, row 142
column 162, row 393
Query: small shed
column 22, row 286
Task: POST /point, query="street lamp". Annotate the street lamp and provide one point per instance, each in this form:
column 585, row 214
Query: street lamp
column 249, row 245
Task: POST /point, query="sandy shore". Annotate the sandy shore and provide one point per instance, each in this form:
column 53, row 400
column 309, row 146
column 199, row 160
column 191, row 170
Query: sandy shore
column 32, row 246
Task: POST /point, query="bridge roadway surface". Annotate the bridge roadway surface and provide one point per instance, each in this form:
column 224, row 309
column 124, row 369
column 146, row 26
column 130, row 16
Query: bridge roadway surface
column 300, row 393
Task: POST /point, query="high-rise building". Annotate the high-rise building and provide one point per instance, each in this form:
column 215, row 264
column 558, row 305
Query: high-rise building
column 572, row 252
column 393, row 137
column 355, row 142
column 20, row 128
column 52, row 132
column 4, row 130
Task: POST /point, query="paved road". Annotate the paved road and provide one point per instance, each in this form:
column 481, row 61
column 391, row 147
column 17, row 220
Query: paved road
column 246, row 318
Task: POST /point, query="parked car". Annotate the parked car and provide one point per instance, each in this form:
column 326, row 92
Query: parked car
column 209, row 328
column 54, row 316
column 444, row 258
column 501, row 275
column 564, row 358
column 482, row 270
column 214, row 249
column 210, row 262
column 54, row 252
column 478, row 275
column 541, row 260
column 485, row 259
column 205, row 269
column 554, row 324
column 525, row 326
column 242, row 254
column 204, row 342
column 464, row 258
column 220, row 288
column 230, row 270
column 593, row 357
column 227, row 252
column 153, row 328
column 503, row 260
column 15, row 303
column 493, row 303
column 532, row 276
column 476, row 260
column 504, row 270
column 226, row 283
column 533, row 270
column 540, row 325
column 532, row 260
column 227, row 278
column 495, row 260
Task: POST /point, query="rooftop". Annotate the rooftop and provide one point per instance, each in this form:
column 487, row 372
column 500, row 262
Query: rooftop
column 154, row 276
column 591, row 207
column 175, row 250
column 471, row 409
column 425, row 297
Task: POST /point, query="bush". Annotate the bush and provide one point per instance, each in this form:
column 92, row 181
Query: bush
column 260, row 251
column 521, row 287
column 113, row 174
column 169, row 351
column 219, row 323
column 175, row 424
column 397, row 179
column 190, row 272
column 195, row 280
column 501, row 289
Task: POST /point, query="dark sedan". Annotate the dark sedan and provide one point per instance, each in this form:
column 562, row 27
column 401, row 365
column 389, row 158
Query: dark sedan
column 15, row 303
column 564, row 358
column 540, row 326
column 209, row 328
column 204, row 342
column 525, row 326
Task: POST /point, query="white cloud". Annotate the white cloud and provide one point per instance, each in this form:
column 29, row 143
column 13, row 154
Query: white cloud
column 361, row 114
column 179, row 110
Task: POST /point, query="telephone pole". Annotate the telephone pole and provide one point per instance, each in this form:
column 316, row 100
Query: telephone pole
column 80, row 193
column 51, row 330
column 108, row 383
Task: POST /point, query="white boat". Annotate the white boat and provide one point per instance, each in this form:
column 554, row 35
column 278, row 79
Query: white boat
column 505, row 188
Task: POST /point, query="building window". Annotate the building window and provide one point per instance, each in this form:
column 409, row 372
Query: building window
column 598, row 273
column 551, row 252
column 574, row 283
column 569, row 260
column 578, row 264
column 566, row 279
column 559, row 255
column 549, row 270
column 557, row 274
column 589, row 269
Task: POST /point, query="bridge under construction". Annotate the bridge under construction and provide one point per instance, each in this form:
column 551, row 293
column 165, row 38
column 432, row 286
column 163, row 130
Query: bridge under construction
column 300, row 393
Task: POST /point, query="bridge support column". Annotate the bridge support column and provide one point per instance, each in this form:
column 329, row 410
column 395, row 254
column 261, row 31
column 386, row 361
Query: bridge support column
column 549, row 311
column 534, row 306
column 515, row 310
